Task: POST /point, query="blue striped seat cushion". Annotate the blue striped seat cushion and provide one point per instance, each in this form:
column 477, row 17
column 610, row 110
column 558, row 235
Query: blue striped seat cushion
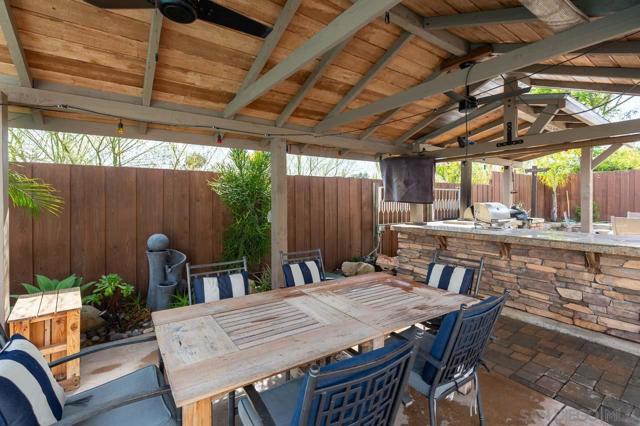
column 211, row 289
column 29, row 394
column 302, row 273
column 452, row 278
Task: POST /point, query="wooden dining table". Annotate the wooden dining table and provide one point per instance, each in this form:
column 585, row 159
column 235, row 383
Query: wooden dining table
column 213, row 348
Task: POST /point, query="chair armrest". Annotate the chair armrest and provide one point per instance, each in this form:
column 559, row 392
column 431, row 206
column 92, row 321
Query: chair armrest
column 112, row 405
column 110, row 345
column 259, row 405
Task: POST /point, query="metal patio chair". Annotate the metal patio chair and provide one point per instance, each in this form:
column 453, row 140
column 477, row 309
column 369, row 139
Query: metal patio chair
column 304, row 267
column 197, row 273
column 142, row 395
column 223, row 275
column 456, row 278
column 363, row 390
column 450, row 359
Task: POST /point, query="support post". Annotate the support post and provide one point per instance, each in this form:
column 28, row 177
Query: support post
column 586, row 190
column 416, row 213
column 507, row 186
column 466, row 173
column 4, row 209
column 278, row 208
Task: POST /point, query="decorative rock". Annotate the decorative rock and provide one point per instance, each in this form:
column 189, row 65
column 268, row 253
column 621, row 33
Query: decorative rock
column 350, row 269
column 96, row 339
column 117, row 336
column 136, row 332
column 148, row 330
column 90, row 319
column 158, row 242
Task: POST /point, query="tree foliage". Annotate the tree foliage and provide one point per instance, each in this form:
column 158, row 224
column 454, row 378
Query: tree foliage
column 33, row 194
column 450, row 173
column 244, row 186
column 625, row 158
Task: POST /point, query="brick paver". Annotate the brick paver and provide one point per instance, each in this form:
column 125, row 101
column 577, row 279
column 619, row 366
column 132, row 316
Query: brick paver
column 595, row 379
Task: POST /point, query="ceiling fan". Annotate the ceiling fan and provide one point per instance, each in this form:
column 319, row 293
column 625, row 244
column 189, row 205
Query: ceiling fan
column 187, row 11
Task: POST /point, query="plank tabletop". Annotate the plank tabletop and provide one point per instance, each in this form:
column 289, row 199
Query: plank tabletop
column 387, row 303
column 213, row 348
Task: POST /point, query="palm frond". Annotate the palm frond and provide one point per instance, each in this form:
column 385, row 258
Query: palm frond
column 33, row 194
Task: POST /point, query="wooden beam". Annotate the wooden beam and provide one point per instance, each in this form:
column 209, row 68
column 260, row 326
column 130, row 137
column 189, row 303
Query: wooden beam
column 630, row 47
column 382, row 119
column 152, row 59
column 627, row 127
column 559, row 15
column 340, row 29
column 459, row 122
column 627, row 89
column 410, row 21
column 586, row 191
column 545, row 117
column 605, row 154
column 581, row 71
column 309, row 83
column 517, row 15
column 271, row 42
column 576, row 108
column 527, row 113
column 155, row 114
column 378, row 66
column 16, row 51
column 278, row 209
column 4, row 209
column 578, row 37
column 472, row 132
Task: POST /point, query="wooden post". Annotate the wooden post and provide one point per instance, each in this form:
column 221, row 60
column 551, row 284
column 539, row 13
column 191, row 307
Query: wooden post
column 416, row 213
column 4, row 210
column 466, row 174
column 586, row 190
column 507, row 186
column 278, row 208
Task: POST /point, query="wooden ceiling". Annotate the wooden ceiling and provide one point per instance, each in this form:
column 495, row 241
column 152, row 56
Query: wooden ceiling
column 201, row 65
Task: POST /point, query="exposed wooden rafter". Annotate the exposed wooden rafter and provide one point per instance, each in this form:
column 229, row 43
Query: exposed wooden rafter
column 581, row 71
column 152, row 60
column 572, row 39
column 16, row 51
column 341, row 28
column 543, row 120
column 378, row 66
column 559, row 15
column 627, row 47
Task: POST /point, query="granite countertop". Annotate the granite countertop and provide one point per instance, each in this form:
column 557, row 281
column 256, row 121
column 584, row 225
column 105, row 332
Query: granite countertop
column 609, row 244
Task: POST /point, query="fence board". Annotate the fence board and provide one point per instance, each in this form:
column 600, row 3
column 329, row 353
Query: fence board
column 87, row 208
column 367, row 216
column 149, row 213
column 355, row 217
column 121, row 222
column 302, row 224
column 316, row 213
column 176, row 208
column 202, row 213
column 21, row 267
column 331, row 257
column 343, row 219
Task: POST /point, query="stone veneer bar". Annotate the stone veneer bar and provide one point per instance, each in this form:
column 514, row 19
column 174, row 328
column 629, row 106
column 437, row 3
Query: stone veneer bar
column 585, row 280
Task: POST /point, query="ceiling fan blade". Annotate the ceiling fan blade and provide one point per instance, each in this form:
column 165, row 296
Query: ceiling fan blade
column 220, row 15
column 123, row 4
column 501, row 96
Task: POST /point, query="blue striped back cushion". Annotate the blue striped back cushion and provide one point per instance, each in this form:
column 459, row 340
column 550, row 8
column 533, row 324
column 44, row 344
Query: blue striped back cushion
column 452, row 278
column 29, row 394
column 302, row 273
column 226, row 286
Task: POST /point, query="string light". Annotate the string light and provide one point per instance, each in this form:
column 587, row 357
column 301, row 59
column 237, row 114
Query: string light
column 120, row 128
column 219, row 139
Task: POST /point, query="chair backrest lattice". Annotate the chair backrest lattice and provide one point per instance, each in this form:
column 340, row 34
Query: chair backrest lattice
column 366, row 393
column 468, row 341
column 212, row 270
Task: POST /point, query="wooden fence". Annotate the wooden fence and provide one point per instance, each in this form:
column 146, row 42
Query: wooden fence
column 110, row 212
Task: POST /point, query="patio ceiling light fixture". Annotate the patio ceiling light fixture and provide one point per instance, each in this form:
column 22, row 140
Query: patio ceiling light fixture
column 120, row 128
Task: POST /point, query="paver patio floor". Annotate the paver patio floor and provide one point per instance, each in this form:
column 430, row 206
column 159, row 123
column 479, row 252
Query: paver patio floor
column 595, row 379
column 506, row 402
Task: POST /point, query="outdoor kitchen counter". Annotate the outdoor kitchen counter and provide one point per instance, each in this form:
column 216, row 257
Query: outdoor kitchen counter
column 578, row 241
column 590, row 281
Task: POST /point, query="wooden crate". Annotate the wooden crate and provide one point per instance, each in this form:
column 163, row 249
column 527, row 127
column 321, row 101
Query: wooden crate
column 51, row 321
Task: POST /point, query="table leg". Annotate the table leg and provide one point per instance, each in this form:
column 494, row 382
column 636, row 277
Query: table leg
column 371, row 345
column 198, row 414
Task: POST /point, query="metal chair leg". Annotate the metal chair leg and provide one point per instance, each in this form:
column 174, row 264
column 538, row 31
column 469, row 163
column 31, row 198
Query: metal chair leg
column 478, row 399
column 287, row 375
column 432, row 412
column 231, row 408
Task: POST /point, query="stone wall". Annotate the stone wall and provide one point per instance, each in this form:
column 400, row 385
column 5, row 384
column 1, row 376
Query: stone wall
column 598, row 292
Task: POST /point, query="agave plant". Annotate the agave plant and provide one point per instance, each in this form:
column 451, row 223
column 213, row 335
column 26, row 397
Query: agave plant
column 43, row 284
column 33, row 194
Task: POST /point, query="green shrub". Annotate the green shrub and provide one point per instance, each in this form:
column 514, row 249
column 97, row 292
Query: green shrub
column 261, row 281
column 180, row 300
column 244, row 186
column 109, row 291
column 44, row 283
column 596, row 212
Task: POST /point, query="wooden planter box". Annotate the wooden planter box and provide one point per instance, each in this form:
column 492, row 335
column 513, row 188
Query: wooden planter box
column 51, row 321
